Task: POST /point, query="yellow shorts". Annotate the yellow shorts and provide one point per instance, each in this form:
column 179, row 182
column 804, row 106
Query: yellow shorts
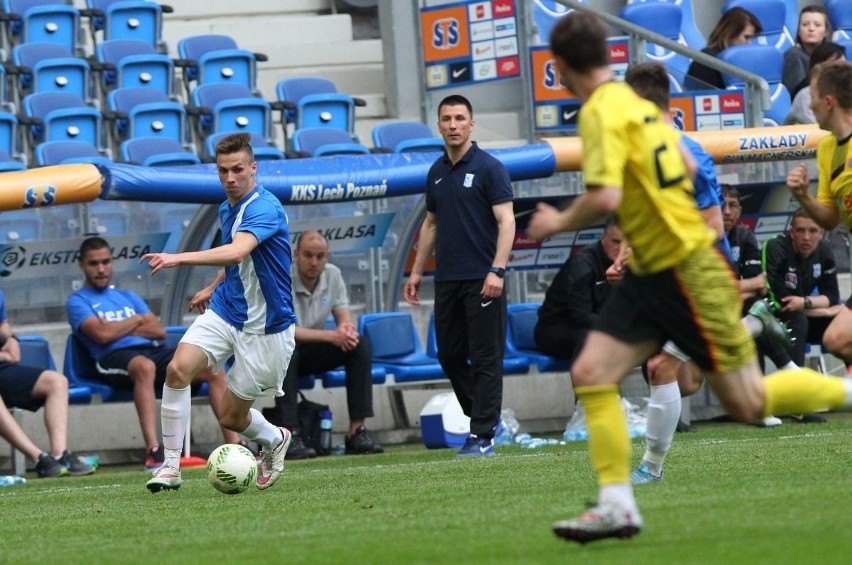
column 696, row 304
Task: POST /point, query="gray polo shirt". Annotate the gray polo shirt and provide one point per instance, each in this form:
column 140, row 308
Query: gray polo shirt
column 329, row 295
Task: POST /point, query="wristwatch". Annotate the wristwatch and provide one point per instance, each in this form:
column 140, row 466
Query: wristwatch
column 499, row 271
column 808, row 303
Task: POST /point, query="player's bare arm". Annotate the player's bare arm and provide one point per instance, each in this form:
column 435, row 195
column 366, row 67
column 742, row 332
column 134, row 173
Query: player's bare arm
column 223, row 256
column 591, row 207
column 425, row 249
column 798, row 181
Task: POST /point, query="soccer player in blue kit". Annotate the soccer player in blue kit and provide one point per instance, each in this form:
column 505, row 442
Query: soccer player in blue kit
column 246, row 312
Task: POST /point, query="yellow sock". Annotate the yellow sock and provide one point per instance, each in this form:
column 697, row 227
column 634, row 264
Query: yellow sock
column 609, row 442
column 799, row 391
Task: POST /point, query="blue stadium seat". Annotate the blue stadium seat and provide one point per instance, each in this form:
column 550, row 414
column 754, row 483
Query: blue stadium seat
column 519, row 338
column 230, row 107
column 209, row 59
column 125, row 19
column 109, row 218
column 397, row 347
column 11, row 157
column 514, row 363
column 764, row 61
column 46, row 67
column 666, row 19
column 44, row 21
column 840, row 16
column 846, row 43
column 135, row 63
column 17, row 226
column 545, row 15
column 772, row 15
column 263, row 150
column 146, row 112
column 35, row 352
column 688, row 28
column 55, row 116
column 323, row 142
column 311, row 102
column 402, row 137
column 156, row 152
column 67, row 152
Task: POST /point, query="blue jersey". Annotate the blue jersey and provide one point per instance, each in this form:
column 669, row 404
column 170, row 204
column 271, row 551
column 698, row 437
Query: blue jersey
column 708, row 192
column 109, row 305
column 256, row 295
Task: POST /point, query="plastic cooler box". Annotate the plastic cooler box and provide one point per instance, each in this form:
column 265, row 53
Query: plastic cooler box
column 443, row 423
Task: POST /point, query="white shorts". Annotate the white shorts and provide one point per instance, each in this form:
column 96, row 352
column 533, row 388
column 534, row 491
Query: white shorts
column 260, row 360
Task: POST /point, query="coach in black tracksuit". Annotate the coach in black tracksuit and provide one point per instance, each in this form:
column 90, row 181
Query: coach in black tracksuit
column 796, row 265
column 575, row 297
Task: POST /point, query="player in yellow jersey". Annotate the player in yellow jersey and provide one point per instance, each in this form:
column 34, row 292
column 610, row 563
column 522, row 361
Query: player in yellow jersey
column 831, row 102
column 678, row 286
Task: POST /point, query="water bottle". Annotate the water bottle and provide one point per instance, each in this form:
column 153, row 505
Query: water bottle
column 8, row 480
column 522, row 439
column 325, row 431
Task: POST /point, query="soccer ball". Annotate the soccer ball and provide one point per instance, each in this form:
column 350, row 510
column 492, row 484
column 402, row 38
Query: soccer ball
column 231, row 468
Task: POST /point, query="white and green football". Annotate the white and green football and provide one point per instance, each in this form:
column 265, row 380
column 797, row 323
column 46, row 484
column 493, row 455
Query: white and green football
column 231, row 468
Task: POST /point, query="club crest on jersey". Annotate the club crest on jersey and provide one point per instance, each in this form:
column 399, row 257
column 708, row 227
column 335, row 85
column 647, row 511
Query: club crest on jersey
column 468, row 180
column 817, row 270
column 791, row 280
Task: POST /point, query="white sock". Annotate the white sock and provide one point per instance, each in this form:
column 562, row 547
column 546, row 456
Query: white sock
column 620, row 495
column 261, row 431
column 753, row 325
column 848, row 383
column 174, row 416
column 663, row 415
column 790, row 365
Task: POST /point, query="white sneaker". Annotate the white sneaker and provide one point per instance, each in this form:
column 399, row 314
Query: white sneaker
column 769, row 422
column 599, row 522
column 272, row 462
column 165, row 478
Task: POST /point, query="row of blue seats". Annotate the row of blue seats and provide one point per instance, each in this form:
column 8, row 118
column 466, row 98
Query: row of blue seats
column 84, row 386
column 397, row 350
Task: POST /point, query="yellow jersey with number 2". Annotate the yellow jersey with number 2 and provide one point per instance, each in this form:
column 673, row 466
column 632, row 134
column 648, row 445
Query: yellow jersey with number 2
column 628, row 144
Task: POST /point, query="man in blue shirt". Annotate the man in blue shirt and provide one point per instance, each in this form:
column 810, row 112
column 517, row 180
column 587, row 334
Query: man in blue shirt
column 246, row 312
column 470, row 226
column 127, row 342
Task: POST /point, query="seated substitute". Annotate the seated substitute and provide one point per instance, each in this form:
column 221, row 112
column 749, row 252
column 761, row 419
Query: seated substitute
column 319, row 292
column 30, row 388
column 126, row 340
column 797, row 264
column 575, row 296
column 745, row 250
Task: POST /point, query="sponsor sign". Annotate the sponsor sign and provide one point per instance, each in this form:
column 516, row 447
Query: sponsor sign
column 39, row 259
column 347, row 233
column 710, row 110
column 470, row 42
column 554, row 107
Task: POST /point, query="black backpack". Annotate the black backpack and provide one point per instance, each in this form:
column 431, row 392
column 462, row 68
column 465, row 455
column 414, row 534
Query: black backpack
column 310, row 417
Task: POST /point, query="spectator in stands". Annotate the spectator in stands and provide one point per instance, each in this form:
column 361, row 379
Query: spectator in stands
column 736, row 27
column 30, row 388
column 470, row 226
column 800, row 110
column 125, row 339
column 814, row 29
column 576, row 295
column 831, row 91
column 319, row 292
column 802, row 283
column 246, row 315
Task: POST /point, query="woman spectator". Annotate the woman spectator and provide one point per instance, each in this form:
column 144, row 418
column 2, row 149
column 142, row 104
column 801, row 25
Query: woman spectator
column 736, row 27
column 800, row 110
column 814, row 29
